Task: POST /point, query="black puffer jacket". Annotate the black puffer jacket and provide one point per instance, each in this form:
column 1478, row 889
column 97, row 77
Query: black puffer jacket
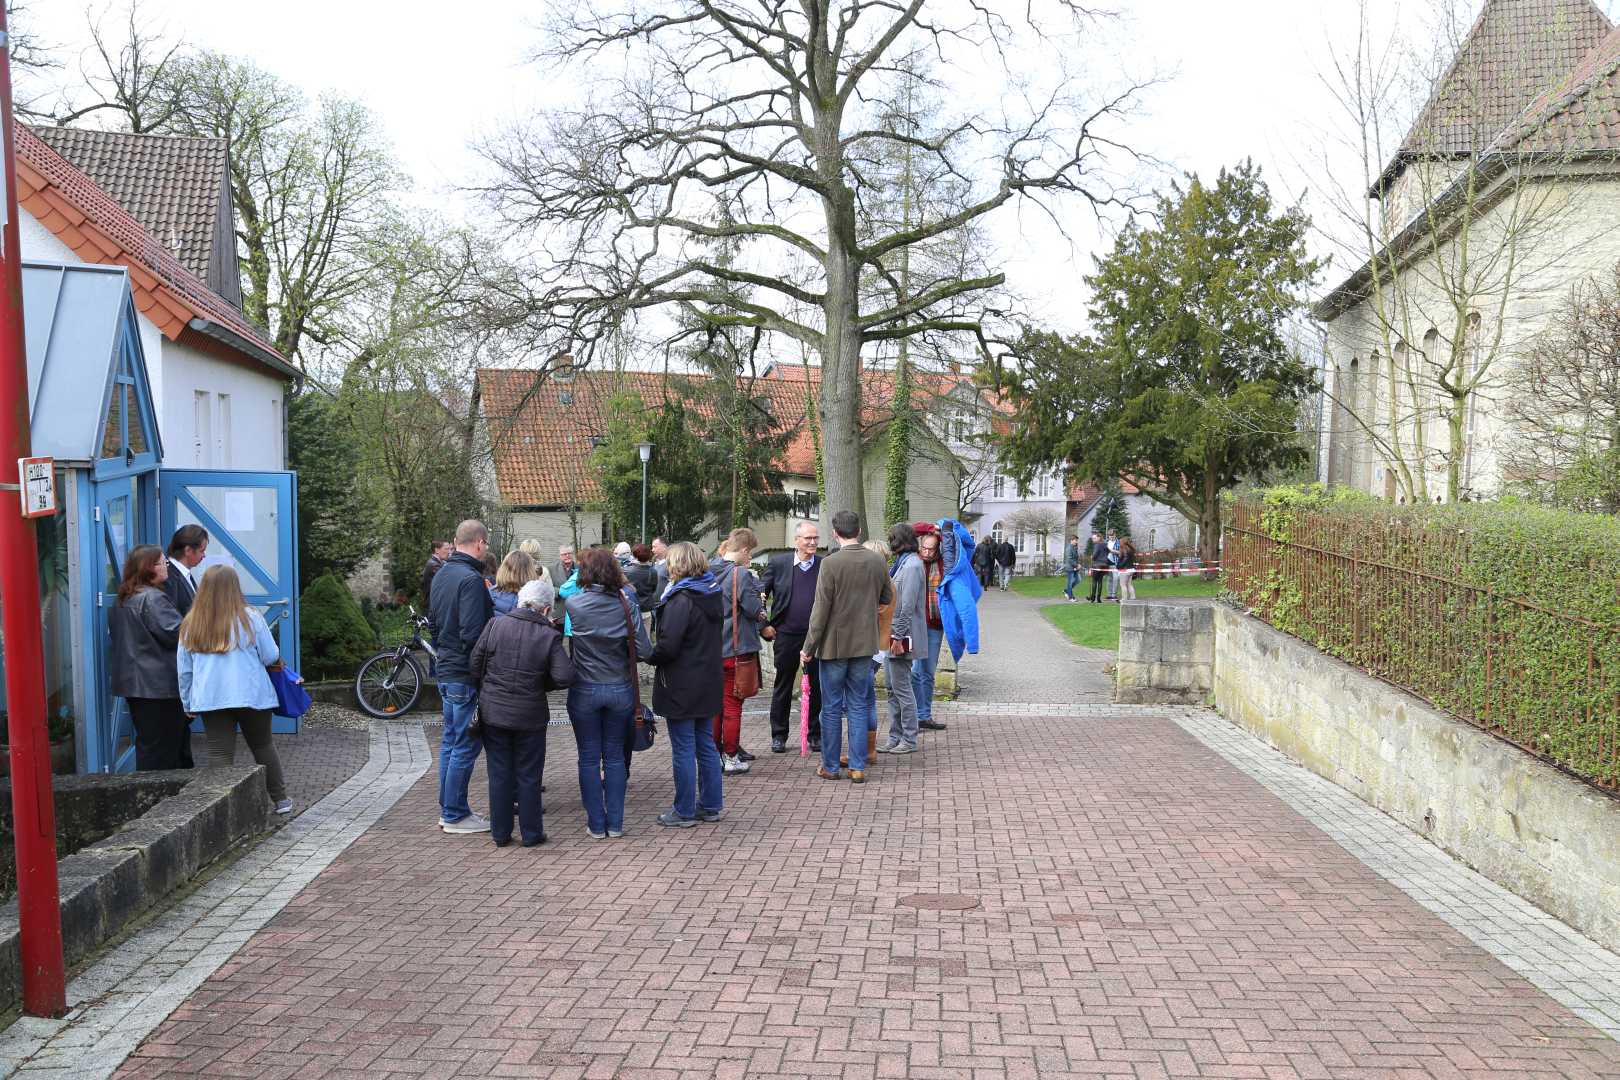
column 517, row 659
column 687, row 656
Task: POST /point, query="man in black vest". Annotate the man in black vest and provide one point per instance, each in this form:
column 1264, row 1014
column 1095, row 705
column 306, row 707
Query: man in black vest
column 187, row 549
column 790, row 589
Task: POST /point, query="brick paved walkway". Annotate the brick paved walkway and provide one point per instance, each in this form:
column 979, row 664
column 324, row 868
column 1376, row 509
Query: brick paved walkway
column 1054, row 887
column 1097, row 897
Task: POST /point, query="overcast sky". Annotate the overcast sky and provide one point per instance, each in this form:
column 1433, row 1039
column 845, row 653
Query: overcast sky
column 1241, row 79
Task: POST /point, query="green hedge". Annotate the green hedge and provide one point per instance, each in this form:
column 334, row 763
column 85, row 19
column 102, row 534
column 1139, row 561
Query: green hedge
column 336, row 636
column 1506, row 614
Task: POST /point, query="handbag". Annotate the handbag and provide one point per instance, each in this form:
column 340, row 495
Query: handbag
column 745, row 677
column 645, row 732
column 292, row 700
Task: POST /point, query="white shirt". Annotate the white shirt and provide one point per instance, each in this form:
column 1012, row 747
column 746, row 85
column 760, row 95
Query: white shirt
column 180, row 568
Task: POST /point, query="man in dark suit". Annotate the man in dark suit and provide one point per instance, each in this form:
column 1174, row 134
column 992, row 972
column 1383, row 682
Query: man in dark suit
column 790, row 590
column 187, row 548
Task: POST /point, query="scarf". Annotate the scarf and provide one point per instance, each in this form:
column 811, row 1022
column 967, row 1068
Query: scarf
column 703, row 584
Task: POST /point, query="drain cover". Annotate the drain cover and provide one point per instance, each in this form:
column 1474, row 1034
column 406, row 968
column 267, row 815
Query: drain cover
column 940, row 901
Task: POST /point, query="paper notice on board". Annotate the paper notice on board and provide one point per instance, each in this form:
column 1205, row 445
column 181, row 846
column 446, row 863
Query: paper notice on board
column 239, row 511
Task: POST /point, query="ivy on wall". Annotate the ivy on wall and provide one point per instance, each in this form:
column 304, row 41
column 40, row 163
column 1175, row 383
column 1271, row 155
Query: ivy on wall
column 1505, row 614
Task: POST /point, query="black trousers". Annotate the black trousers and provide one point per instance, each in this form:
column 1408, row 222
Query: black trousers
column 787, row 647
column 515, row 760
column 162, row 733
column 1097, row 585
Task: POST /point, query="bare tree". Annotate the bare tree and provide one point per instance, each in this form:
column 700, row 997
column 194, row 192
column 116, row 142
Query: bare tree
column 774, row 105
column 1564, row 400
column 1457, row 221
column 128, row 77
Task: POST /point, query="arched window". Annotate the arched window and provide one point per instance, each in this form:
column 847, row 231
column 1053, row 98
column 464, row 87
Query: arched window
column 997, row 533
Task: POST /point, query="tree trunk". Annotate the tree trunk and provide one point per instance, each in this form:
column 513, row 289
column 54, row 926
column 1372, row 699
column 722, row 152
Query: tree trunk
column 1457, row 423
column 1209, row 519
column 840, row 405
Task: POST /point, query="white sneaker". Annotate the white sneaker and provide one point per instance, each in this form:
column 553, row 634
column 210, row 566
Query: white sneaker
column 284, row 806
column 729, row 764
column 467, row 826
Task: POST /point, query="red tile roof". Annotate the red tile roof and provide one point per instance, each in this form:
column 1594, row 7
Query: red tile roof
column 1516, row 52
column 542, row 441
column 98, row 230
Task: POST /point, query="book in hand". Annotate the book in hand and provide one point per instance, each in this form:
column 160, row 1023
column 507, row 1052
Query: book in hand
column 905, row 646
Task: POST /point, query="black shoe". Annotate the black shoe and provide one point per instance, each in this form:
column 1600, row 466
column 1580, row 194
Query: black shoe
column 778, row 746
column 744, row 755
column 815, row 746
column 931, row 725
column 537, row 843
column 504, row 843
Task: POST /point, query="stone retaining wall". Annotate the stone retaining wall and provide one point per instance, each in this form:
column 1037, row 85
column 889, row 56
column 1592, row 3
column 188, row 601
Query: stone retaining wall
column 1529, row 827
column 1166, row 652
column 110, row 882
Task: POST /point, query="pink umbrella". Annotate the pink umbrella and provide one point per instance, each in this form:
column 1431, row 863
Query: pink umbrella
column 804, row 714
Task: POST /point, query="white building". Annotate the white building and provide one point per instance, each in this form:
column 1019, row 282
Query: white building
column 161, row 206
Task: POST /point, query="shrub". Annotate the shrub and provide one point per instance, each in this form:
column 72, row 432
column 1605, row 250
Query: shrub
column 1505, row 614
column 336, row 636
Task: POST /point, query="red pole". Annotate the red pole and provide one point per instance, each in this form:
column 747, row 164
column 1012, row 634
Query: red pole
column 33, row 813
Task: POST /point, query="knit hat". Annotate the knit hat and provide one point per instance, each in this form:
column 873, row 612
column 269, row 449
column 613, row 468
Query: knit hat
column 925, row 528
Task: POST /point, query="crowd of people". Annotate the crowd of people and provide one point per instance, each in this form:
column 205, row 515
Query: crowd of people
column 509, row 631
column 1112, row 563
column 184, row 649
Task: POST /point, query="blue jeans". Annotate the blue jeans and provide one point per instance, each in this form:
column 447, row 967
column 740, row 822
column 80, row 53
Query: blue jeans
column 601, row 715
column 696, row 762
column 515, row 761
column 1072, row 580
column 457, row 751
column 846, row 684
column 923, row 670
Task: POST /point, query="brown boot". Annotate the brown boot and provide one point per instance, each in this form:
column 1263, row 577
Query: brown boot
column 871, row 746
column 843, row 759
column 856, row 776
column 825, row 775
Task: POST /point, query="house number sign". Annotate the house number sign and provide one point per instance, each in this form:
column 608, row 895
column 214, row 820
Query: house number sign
column 38, row 476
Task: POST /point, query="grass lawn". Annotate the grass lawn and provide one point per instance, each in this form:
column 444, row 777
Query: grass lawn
column 1096, row 626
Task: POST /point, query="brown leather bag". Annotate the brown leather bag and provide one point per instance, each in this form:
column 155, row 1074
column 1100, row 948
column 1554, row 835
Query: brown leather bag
column 745, row 679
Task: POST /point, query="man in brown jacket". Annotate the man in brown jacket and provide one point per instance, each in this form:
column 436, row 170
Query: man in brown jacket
column 843, row 636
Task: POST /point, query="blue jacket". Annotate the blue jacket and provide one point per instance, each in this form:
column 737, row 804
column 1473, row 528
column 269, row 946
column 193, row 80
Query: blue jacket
column 959, row 592
column 460, row 607
column 232, row 680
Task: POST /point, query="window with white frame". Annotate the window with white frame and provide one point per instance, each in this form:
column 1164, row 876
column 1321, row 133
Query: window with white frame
column 997, row 533
column 806, row 505
column 998, row 487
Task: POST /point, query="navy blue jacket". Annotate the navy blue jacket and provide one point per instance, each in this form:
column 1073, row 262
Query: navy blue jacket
column 458, row 609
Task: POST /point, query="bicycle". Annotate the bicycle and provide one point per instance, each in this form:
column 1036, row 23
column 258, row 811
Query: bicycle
column 389, row 683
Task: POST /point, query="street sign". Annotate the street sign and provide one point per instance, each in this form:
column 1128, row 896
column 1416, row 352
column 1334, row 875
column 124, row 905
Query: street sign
column 38, row 476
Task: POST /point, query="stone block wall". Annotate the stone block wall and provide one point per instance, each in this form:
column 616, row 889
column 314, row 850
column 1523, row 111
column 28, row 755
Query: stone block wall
column 1519, row 821
column 1166, row 653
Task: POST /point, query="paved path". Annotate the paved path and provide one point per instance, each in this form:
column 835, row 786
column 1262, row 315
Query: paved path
column 1026, row 658
column 1049, row 889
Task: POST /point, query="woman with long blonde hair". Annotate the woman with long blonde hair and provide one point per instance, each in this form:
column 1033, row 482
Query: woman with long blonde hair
column 225, row 651
column 516, row 571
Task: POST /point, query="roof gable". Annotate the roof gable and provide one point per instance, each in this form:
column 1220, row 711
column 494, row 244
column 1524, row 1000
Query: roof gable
column 1516, row 52
column 177, row 187
column 99, row 231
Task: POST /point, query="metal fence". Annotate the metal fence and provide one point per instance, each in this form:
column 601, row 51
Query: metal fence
column 1544, row 679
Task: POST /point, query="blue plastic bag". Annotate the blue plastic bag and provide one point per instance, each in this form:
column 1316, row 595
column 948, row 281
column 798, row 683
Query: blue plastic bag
column 292, row 701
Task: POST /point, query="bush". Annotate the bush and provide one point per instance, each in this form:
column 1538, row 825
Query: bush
column 336, row 636
column 1505, row 614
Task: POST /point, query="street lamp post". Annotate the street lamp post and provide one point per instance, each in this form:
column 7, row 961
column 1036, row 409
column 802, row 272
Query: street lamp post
column 645, row 450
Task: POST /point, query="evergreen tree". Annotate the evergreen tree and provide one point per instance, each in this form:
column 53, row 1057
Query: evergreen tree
column 335, row 528
column 1112, row 514
column 675, row 472
column 1186, row 385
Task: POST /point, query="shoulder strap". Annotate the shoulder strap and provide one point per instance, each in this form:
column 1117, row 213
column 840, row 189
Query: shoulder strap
column 735, row 585
column 630, row 638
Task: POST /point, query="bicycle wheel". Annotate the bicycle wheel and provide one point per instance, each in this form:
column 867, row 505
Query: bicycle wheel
column 388, row 685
